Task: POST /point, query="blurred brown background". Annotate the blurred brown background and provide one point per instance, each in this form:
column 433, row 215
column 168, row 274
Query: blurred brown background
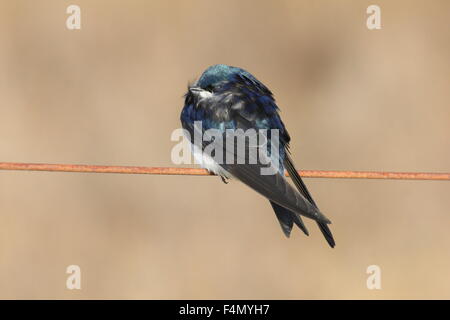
column 111, row 93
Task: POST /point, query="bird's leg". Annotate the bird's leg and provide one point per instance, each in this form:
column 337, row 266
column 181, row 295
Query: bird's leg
column 225, row 180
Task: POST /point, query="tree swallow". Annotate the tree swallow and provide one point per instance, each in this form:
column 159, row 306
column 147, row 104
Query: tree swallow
column 228, row 99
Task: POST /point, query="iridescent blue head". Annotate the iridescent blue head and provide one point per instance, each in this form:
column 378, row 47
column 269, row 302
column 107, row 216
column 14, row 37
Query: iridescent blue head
column 222, row 79
column 219, row 73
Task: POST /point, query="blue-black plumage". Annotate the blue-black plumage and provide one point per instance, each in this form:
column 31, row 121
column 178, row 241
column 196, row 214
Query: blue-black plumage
column 229, row 98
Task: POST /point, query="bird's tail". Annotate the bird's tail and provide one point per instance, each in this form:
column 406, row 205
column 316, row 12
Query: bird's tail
column 287, row 218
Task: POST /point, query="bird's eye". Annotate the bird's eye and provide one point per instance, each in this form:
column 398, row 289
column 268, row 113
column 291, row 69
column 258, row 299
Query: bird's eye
column 209, row 88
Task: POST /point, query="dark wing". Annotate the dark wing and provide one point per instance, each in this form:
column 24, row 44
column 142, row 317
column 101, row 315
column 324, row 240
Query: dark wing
column 275, row 188
column 246, row 115
column 304, row 191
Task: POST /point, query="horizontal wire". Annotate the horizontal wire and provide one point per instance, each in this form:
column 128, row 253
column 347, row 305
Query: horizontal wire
column 203, row 172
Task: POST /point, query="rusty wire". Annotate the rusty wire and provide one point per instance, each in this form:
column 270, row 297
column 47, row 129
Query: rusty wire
column 202, row 172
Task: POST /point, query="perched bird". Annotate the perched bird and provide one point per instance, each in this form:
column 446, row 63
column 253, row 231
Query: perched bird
column 228, row 98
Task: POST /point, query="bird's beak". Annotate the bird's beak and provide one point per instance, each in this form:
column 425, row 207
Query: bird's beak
column 195, row 90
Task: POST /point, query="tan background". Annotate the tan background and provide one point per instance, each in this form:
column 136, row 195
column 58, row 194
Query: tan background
column 111, row 93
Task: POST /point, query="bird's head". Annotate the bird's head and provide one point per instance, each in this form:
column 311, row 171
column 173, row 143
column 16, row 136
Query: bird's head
column 215, row 76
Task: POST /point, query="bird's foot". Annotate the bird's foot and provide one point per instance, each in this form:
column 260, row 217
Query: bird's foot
column 224, row 180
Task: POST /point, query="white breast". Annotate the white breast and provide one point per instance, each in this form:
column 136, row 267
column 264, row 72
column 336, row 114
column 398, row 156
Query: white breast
column 205, row 161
